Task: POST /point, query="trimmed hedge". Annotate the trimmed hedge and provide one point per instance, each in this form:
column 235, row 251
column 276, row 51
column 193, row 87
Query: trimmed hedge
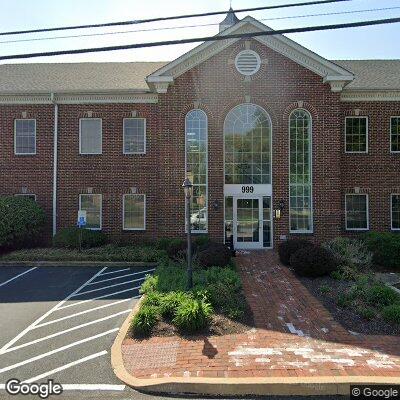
column 69, row 238
column 289, row 247
column 21, row 222
column 214, row 254
column 385, row 247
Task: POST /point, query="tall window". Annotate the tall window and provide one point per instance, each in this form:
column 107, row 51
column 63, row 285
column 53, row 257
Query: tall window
column 90, row 136
column 357, row 212
column 134, row 135
column 92, row 204
column 134, row 206
column 356, row 135
column 395, row 134
column 196, row 133
column 247, row 133
column 300, row 180
column 395, row 211
column 25, row 136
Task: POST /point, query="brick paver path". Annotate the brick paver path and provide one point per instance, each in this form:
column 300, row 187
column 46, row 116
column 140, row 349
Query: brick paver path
column 294, row 335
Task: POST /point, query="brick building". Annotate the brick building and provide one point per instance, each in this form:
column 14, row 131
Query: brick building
column 277, row 141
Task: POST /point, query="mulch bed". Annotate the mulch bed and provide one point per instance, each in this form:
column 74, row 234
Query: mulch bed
column 347, row 317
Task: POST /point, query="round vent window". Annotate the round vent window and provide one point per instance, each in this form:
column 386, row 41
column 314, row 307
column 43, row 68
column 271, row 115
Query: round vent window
column 247, row 62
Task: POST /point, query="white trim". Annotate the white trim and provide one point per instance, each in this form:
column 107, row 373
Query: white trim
column 123, row 212
column 360, row 95
column 367, row 211
column 391, row 212
column 15, row 137
column 26, row 194
column 390, row 133
column 367, row 134
column 101, row 135
column 101, row 208
column 144, row 138
column 258, row 59
column 311, row 153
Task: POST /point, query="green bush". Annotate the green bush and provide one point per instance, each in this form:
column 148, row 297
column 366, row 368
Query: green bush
column 392, row 313
column 287, row 248
column 312, row 262
column 201, row 241
column 145, row 320
column 150, row 284
column 21, row 222
column 367, row 313
column 385, row 247
column 215, row 254
column 69, row 238
column 192, row 315
column 170, row 303
column 381, row 295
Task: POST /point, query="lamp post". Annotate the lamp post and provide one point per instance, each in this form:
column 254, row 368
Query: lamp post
column 187, row 187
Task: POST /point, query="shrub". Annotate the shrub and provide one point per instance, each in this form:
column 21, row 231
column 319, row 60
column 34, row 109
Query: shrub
column 312, row 261
column 153, row 299
column 21, row 222
column 367, row 313
column 381, row 295
column 69, row 238
column 201, row 241
column 289, row 247
column 170, row 303
column 150, row 284
column 145, row 320
column 215, row 254
column 177, row 248
column 192, row 315
column 392, row 313
column 385, row 247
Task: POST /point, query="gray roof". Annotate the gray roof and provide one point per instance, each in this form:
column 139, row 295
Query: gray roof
column 76, row 77
column 373, row 74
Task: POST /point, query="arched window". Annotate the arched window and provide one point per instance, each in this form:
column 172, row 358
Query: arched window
column 300, row 179
column 247, row 133
column 196, row 133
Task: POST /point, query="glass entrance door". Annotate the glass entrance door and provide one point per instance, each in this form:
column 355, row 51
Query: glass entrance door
column 248, row 223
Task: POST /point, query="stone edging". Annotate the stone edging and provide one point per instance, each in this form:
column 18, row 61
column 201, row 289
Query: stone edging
column 76, row 264
column 305, row 386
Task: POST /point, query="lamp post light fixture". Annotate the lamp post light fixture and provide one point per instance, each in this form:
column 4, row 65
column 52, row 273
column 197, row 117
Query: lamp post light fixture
column 187, row 187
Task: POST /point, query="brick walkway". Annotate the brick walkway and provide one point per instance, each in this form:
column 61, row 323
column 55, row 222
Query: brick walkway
column 294, row 335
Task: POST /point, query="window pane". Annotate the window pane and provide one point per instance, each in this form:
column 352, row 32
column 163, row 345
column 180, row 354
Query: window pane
column 134, row 135
column 356, row 211
column 395, row 211
column 300, row 171
column 356, row 134
column 395, row 134
column 91, row 203
column 25, row 136
column 90, row 139
column 134, row 211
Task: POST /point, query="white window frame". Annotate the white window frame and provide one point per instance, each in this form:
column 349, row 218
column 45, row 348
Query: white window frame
column 26, row 194
column 101, row 208
column 367, row 211
column 144, row 139
column 390, row 129
column 144, row 210
column 391, row 211
column 15, row 137
column 255, row 54
column 80, row 135
column 367, row 134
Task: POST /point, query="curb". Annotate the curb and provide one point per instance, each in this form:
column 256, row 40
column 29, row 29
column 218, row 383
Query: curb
column 76, row 264
column 305, row 386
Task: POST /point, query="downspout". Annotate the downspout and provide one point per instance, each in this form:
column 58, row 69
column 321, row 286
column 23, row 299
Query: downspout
column 55, row 157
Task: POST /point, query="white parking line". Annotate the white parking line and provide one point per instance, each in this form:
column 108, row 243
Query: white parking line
column 121, row 276
column 81, row 313
column 99, row 297
column 109, row 286
column 49, row 353
column 66, row 366
column 45, row 315
column 114, row 272
column 65, row 331
column 17, row 276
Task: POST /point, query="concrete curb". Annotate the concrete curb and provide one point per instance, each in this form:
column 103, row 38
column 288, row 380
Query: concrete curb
column 305, row 386
column 76, row 264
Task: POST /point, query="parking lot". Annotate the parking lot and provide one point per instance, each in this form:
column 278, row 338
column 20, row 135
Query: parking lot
column 59, row 323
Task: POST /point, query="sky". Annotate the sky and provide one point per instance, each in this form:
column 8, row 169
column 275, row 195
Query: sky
column 376, row 42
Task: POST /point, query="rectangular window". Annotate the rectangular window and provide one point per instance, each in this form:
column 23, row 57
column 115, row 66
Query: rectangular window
column 357, row 212
column 395, row 211
column 395, row 134
column 356, row 134
column 29, row 196
column 134, row 135
column 25, row 136
column 134, row 210
column 90, row 136
column 92, row 204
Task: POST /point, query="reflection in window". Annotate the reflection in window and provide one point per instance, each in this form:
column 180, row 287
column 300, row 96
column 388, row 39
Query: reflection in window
column 356, row 211
column 134, row 135
column 395, row 205
column 395, row 134
column 247, row 133
column 300, row 171
column 25, row 136
column 91, row 203
column 196, row 164
column 134, row 211
column 356, row 135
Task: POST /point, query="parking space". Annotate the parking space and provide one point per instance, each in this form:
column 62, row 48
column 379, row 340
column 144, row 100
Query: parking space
column 63, row 323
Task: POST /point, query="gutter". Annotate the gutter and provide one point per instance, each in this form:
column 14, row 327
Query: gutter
column 55, row 160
